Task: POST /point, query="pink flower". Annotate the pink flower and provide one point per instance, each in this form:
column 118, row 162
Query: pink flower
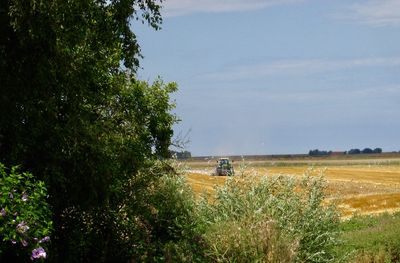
column 22, row 227
column 38, row 253
column 24, row 197
column 45, row 239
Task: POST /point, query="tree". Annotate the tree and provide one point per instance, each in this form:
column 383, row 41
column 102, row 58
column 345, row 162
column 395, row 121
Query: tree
column 354, row 151
column 74, row 117
column 317, row 152
column 367, row 151
column 377, row 150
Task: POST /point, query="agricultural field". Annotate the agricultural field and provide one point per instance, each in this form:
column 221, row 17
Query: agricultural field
column 362, row 186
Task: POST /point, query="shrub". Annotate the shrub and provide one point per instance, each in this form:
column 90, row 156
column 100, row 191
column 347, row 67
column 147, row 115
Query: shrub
column 153, row 220
column 173, row 228
column 278, row 219
column 25, row 218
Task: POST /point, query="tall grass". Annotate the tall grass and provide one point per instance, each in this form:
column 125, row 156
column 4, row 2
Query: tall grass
column 250, row 218
column 372, row 239
column 277, row 219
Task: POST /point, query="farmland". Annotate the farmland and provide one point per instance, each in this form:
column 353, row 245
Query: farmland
column 358, row 185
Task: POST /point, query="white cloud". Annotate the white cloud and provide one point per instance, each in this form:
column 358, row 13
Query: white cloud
column 184, row 7
column 375, row 12
column 297, row 67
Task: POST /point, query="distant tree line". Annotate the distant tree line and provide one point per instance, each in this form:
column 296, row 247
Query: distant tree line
column 181, row 155
column 365, row 151
column 317, row 152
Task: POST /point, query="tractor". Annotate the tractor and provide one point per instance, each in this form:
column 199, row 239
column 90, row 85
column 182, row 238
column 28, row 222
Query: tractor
column 224, row 167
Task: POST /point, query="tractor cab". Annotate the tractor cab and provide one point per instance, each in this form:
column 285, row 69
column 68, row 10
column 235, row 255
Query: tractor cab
column 224, row 167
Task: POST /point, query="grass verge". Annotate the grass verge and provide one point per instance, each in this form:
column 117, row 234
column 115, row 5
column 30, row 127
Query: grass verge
column 372, row 239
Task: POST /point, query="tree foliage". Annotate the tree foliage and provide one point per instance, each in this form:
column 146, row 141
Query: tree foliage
column 377, row 150
column 72, row 111
column 354, row 151
column 367, row 151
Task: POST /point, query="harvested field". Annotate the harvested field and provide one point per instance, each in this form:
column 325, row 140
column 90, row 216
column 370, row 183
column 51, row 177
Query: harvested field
column 357, row 186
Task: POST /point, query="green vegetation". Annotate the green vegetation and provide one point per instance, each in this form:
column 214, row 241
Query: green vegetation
column 73, row 114
column 96, row 140
column 280, row 219
column 25, row 217
column 372, row 238
column 317, row 152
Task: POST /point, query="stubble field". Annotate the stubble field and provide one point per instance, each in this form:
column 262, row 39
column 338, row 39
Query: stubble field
column 357, row 185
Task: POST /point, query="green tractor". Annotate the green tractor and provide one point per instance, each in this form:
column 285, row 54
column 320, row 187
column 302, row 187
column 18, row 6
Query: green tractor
column 224, row 167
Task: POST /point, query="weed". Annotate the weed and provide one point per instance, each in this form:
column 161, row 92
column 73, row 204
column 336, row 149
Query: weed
column 278, row 219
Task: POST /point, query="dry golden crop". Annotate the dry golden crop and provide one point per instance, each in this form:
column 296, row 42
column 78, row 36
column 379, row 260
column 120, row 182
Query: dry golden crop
column 365, row 187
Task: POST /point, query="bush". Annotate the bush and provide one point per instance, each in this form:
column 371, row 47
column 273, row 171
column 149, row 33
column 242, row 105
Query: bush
column 279, row 219
column 173, row 228
column 153, row 220
column 25, row 218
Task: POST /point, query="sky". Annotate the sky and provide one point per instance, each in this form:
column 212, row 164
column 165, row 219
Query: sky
column 279, row 76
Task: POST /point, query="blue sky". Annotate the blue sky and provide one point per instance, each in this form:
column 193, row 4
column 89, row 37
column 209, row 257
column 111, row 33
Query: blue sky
column 280, row 76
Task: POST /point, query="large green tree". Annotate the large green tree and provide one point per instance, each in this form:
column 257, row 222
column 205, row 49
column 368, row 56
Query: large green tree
column 72, row 112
